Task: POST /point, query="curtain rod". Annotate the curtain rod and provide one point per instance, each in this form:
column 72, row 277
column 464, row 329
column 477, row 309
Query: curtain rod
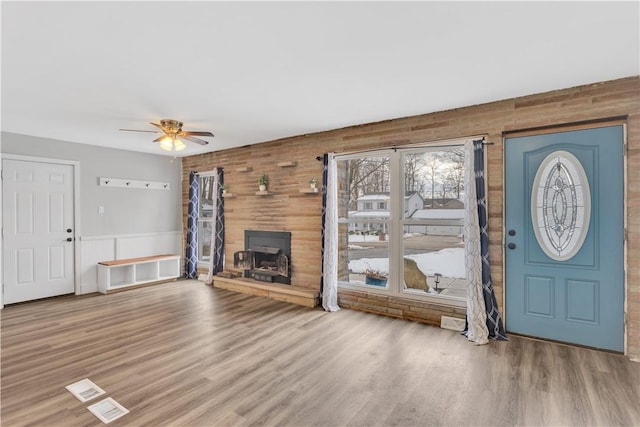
column 412, row 147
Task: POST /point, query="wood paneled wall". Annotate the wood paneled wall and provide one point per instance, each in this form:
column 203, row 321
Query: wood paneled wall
column 288, row 209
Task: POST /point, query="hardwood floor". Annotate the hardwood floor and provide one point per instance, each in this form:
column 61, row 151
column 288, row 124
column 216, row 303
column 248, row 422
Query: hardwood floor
column 186, row 354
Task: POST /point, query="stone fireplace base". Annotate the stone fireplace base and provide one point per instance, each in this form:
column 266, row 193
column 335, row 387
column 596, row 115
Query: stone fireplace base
column 288, row 293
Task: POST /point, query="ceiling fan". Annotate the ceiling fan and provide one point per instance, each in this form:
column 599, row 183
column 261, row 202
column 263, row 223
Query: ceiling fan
column 173, row 135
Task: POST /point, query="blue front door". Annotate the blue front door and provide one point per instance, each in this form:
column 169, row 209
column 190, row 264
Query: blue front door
column 565, row 236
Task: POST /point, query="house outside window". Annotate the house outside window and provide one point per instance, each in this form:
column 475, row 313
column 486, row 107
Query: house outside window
column 403, row 248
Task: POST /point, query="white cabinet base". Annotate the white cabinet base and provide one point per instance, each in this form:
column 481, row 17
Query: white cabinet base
column 126, row 273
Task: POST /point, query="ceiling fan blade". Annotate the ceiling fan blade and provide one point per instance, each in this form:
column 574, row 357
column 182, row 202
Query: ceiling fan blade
column 160, row 138
column 157, row 125
column 138, row 130
column 196, row 140
column 189, row 133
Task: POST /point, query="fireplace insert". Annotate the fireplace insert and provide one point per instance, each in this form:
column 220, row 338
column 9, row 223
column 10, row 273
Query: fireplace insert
column 266, row 256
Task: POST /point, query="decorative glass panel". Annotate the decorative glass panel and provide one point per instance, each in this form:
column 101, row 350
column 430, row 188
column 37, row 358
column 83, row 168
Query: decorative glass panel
column 560, row 205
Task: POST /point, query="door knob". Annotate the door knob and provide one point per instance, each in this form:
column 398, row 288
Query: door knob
column 512, row 232
column 69, row 239
column 511, row 245
column 69, row 230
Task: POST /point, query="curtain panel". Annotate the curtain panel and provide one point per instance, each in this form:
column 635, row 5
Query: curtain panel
column 329, row 279
column 191, row 256
column 476, row 314
column 216, row 261
column 493, row 319
column 483, row 318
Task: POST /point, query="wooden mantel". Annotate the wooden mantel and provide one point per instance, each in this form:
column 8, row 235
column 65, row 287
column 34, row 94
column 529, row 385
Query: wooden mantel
column 288, row 293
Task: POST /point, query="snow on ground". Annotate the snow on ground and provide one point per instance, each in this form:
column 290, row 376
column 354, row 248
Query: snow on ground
column 449, row 262
column 363, row 238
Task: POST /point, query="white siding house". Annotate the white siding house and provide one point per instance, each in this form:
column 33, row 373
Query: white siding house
column 376, row 206
column 438, row 222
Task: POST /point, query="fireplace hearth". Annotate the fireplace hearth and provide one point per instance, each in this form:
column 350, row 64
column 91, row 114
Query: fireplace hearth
column 266, row 256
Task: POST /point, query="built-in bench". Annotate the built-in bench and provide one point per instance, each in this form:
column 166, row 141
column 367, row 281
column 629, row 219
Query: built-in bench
column 126, row 273
column 288, row 293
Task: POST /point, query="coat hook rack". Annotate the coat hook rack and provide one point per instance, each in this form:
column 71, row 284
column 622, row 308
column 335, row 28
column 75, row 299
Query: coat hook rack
column 132, row 183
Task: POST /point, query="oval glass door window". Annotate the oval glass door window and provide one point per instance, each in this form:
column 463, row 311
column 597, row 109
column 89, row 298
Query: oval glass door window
column 560, row 205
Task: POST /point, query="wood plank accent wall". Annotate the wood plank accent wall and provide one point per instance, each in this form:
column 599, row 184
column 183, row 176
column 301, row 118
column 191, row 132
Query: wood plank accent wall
column 288, row 209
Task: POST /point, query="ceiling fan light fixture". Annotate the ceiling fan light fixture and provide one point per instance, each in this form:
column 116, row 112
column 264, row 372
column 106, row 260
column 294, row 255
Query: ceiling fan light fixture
column 166, row 143
column 173, row 135
column 179, row 145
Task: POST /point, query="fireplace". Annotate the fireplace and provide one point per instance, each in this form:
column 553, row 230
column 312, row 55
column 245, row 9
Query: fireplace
column 266, row 256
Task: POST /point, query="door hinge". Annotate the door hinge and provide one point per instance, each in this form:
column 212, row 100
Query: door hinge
column 625, row 149
column 626, row 234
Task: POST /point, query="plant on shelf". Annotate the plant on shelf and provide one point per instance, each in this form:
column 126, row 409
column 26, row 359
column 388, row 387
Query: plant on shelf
column 263, row 181
column 313, row 182
column 375, row 277
column 225, row 187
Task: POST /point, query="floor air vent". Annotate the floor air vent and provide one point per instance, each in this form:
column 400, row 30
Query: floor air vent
column 452, row 323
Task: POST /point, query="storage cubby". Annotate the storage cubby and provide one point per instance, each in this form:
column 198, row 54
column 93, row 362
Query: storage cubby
column 169, row 267
column 121, row 275
column 146, row 271
column 137, row 271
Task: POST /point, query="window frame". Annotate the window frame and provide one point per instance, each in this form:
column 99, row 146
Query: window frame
column 203, row 263
column 396, row 221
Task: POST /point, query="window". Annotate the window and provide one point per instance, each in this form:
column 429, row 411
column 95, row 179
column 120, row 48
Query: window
column 410, row 246
column 206, row 216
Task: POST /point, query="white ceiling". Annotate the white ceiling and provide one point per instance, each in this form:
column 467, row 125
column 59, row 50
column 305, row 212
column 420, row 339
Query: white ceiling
column 257, row 71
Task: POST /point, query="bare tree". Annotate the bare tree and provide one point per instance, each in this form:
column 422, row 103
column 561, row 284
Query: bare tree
column 432, row 166
column 413, row 181
column 367, row 175
column 454, row 179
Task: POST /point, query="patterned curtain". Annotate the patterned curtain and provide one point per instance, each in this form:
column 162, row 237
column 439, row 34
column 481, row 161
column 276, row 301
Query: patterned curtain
column 216, row 263
column 483, row 319
column 191, row 256
column 325, row 162
column 329, row 279
column 494, row 322
column 476, row 329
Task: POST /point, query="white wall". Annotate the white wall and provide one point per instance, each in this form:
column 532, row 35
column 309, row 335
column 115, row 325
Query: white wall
column 135, row 222
column 126, row 210
column 94, row 249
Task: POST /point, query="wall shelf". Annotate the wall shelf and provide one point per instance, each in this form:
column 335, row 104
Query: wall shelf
column 244, row 169
column 264, row 193
column 287, row 164
column 227, row 195
column 310, row 191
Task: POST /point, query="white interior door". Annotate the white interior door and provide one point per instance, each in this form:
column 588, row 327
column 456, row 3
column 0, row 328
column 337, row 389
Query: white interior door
column 37, row 221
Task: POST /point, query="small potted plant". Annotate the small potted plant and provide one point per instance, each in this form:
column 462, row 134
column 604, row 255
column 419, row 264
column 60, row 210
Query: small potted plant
column 313, row 182
column 225, row 187
column 375, row 277
column 263, row 181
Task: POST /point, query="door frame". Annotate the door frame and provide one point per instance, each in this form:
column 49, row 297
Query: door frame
column 76, row 213
column 543, row 130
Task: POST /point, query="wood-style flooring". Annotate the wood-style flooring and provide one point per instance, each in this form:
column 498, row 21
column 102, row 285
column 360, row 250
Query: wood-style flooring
column 186, row 354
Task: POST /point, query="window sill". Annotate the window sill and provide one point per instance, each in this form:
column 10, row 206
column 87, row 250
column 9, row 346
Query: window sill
column 442, row 300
